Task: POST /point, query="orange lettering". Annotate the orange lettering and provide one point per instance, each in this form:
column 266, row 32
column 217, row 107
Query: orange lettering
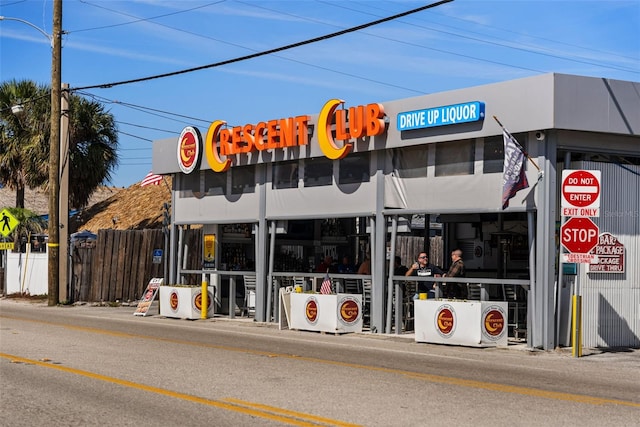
column 287, row 133
column 226, row 149
column 375, row 121
column 301, row 125
column 341, row 126
column 272, row 134
column 247, row 137
column 211, row 152
column 356, row 121
column 236, row 139
column 258, row 136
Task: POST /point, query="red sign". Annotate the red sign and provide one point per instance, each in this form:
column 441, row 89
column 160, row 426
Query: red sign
column 579, row 235
column 311, row 310
column 349, row 310
column 446, row 320
column 609, row 255
column 494, row 323
column 580, row 193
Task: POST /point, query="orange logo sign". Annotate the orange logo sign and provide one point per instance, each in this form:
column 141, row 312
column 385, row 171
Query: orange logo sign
column 349, row 310
column 198, row 301
column 173, row 301
column 494, row 322
column 445, row 320
column 189, row 149
column 311, row 310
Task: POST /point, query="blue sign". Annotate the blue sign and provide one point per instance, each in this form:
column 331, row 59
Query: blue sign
column 157, row 256
column 441, row 116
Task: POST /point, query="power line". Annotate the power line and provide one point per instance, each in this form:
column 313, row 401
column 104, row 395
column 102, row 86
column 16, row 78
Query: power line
column 389, row 39
column 137, row 19
column 280, row 56
column 536, row 37
column 144, row 109
column 495, row 43
column 135, row 136
column 270, row 51
column 147, row 127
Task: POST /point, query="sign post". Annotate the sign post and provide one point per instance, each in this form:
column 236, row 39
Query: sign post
column 579, row 235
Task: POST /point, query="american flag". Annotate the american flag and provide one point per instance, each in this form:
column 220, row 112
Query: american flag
column 151, row 179
column 325, row 288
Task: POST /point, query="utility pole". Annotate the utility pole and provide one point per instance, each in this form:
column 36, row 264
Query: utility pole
column 63, row 199
column 54, row 157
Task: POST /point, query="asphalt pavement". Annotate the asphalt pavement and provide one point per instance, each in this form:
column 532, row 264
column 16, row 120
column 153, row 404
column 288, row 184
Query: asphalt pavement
column 124, row 312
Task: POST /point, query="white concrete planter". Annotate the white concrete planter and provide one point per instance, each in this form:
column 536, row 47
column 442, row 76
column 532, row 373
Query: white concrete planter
column 184, row 302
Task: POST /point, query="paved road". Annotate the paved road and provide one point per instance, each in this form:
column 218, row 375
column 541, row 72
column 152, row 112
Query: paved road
column 90, row 366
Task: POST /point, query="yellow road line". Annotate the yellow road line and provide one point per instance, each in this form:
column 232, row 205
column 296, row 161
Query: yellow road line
column 504, row 388
column 286, row 412
column 249, row 408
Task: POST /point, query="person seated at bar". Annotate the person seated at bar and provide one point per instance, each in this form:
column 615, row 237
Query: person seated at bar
column 365, row 266
column 346, row 267
column 422, row 268
column 326, row 265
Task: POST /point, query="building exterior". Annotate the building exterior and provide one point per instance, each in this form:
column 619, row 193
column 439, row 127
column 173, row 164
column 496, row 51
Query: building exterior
column 353, row 179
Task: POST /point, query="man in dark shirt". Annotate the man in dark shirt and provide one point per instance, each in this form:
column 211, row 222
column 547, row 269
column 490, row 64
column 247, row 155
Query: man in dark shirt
column 422, row 268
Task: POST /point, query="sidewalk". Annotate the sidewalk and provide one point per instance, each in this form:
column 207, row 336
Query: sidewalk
column 125, row 312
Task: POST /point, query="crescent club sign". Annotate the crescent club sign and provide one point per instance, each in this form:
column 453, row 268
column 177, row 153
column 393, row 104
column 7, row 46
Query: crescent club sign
column 222, row 143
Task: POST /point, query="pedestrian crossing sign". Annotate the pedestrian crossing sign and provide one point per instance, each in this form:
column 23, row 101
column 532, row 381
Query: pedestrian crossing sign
column 7, row 222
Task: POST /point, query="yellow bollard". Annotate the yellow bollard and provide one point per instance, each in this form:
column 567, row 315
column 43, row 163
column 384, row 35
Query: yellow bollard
column 576, row 330
column 205, row 300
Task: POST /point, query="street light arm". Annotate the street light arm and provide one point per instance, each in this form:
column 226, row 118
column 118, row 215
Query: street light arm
column 43, row 32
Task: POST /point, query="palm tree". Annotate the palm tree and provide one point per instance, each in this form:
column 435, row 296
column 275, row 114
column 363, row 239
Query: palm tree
column 93, row 143
column 23, row 135
column 24, row 148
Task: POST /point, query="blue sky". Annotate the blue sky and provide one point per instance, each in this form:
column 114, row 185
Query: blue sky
column 456, row 45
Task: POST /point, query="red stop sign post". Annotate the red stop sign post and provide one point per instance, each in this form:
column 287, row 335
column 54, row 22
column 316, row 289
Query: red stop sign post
column 579, row 235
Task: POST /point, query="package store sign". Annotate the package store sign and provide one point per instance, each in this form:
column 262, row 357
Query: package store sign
column 441, row 116
column 609, row 254
column 581, row 193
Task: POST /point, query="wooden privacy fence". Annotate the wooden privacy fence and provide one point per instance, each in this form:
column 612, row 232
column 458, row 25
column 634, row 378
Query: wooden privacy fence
column 118, row 267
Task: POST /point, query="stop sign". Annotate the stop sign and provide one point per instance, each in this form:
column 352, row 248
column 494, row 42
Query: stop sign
column 579, row 235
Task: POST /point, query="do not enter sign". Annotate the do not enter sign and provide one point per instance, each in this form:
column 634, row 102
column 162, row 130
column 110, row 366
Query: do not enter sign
column 579, row 235
column 580, row 193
